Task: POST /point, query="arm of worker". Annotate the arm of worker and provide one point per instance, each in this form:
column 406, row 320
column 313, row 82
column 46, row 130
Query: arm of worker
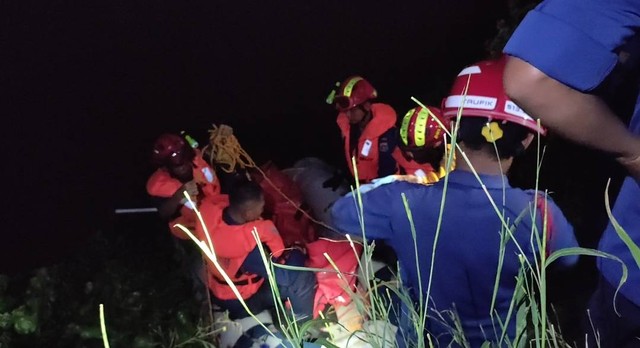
column 376, row 212
column 561, row 51
column 169, row 207
column 273, row 245
column 269, row 235
column 560, row 234
column 579, row 116
column 387, row 143
column 550, row 222
column 253, row 263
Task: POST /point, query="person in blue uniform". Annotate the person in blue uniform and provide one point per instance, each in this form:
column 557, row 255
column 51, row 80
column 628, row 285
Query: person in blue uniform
column 467, row 250
column 561, row 55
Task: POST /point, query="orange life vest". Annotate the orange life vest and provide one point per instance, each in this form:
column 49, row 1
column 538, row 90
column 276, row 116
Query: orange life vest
column 332, row 286
column 424, row 171
column 162, row 184
column 231, row 245
column 410, row 167
column 367, row 155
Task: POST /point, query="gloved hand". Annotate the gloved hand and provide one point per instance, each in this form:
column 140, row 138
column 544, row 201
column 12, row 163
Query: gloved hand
column 414, row 179
column 192, row 189
column 377, row 183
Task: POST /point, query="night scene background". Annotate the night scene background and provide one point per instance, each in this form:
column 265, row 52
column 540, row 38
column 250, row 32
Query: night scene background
column 86, row 87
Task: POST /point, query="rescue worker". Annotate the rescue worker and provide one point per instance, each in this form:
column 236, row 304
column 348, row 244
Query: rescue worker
column 181, row 168
column 562, row 53
column 231, row 229
column 421, row 149
column 368, row 129
column 471, row 235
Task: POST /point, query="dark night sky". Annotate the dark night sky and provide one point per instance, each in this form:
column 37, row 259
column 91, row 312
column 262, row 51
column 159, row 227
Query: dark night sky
column 86, row 86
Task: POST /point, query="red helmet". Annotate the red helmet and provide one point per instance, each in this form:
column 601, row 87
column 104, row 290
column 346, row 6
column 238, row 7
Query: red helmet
column 486, row 96
column 420, row 129
column 171, row 149
column 354, row 91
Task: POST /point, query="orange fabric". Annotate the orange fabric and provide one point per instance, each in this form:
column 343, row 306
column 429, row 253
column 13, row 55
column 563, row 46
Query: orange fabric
column 231, row 245
column 200, row 171
column 294, row 227
column 187, row 218
column 542, row 207
column 432, row 176
column 330, row 286
column 282, row 183
column 162, row 184
column 411, row 167
column 383, row 118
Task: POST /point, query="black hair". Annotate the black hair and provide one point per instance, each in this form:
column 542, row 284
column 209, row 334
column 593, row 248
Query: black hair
column 244, row 191
column 509, row 145
column 432, row 155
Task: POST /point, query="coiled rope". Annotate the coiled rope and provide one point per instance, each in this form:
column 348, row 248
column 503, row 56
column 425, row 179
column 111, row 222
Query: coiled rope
column 225, row 150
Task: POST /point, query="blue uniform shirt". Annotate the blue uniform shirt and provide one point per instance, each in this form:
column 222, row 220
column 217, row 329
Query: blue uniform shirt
column 575, row 42
column 467, row 253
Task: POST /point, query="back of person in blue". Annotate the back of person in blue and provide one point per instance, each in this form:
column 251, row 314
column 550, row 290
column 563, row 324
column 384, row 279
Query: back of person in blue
column 562, row 54
column 468, row 245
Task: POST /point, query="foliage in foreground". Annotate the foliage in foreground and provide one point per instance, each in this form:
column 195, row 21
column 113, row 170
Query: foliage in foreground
column 147, row 302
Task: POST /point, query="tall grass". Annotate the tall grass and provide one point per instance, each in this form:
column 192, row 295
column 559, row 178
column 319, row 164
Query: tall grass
column 529, row 303
column 530, row 297
column 103, row 327
column 528, row 307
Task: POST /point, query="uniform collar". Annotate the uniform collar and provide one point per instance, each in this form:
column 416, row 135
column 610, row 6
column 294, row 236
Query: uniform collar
column 466, row 178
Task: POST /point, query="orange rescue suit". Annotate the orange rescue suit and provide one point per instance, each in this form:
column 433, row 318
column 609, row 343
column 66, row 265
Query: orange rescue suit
column 383, row 117
column 162, row 184
column 231, row 245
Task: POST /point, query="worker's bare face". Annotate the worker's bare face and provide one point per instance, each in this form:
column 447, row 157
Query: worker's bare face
column 356, row 115
column 182, row 172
